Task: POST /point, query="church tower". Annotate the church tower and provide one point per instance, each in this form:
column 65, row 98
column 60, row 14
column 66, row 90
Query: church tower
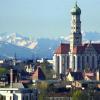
column 75, row 36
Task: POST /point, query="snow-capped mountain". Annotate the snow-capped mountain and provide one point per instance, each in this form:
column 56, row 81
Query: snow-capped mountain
column 24, row 47
column 9, row 50
column 18, row 40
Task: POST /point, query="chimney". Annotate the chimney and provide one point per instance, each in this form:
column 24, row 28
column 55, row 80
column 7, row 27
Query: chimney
column 11, row 77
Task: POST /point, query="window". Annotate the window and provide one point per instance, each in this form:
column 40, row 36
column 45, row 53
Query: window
column 78, row 62
column 10, row 98
column 67, row 61
column 63, row 60
column 23, row 97
column 87, row 59
column 32, row 97
column 82, row 62
column 74, row 22
column 26, row 97
column 57, row 64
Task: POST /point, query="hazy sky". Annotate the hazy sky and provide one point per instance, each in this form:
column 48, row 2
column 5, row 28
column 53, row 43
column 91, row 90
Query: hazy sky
column 46, row 18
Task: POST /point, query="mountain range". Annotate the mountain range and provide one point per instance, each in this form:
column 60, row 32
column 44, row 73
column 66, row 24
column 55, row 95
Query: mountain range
column 25, row 47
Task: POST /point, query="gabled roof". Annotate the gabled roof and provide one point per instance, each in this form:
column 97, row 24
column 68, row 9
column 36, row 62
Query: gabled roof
column 65, row 48
column 77, row 75
column 79, row 49
column 38, row 74
column 62, row 49
column 96, row 47
column 82, row 48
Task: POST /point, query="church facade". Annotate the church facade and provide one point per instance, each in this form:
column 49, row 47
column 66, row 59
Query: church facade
column 76, row 55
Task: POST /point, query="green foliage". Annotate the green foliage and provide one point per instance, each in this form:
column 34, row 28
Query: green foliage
column 51, row 88
column 47, row 70
column 41, row 96
column 79, row 95
column 3, row 70
column 42, row 86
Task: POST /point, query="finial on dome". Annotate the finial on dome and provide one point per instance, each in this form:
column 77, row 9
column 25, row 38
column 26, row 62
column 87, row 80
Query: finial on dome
column 76, row 10
column 76, row 2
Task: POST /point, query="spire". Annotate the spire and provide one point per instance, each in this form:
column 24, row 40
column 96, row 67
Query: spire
column 76, row 10
column 76, row 3
column 90, row 41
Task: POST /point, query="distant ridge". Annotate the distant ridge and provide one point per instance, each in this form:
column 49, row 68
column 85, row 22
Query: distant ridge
column 24, row 47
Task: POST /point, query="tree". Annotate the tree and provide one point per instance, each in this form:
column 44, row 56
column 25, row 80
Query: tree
column 42, row 86
column 79, row 95
column 47, row 69
column 3, row 70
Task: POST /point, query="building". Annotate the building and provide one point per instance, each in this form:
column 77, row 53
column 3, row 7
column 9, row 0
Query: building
column 38, row 75
column 76, row 55
column 74, row 76
column 17, row 91
column 17, row 94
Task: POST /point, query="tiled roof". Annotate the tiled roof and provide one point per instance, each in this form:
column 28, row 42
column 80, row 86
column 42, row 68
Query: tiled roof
column 38, row 74
column 62, row 49
column 79, row 49
column 65, row 48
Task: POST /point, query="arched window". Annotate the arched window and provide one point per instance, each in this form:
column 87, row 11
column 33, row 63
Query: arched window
column 78, row 62
column 10, row 98
column 58, row 61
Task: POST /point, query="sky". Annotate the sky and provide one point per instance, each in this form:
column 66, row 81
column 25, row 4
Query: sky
column 46, row 18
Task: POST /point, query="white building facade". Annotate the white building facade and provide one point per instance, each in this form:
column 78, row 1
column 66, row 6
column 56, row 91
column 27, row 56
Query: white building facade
column 76, row 56
column 17, row 94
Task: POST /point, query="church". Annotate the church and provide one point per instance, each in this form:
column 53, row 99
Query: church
column 76, row 56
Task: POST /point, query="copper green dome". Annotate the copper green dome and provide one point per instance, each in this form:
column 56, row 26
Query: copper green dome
column 76, row 10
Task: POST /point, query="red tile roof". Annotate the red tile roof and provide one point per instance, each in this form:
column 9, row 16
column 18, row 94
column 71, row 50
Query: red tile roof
column 78, row 50
column 65, row 48
column 62, row 49
column 38, row 74
column 81, row 49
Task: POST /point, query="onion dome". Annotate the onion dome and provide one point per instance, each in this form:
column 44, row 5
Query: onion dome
column 76, row 10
